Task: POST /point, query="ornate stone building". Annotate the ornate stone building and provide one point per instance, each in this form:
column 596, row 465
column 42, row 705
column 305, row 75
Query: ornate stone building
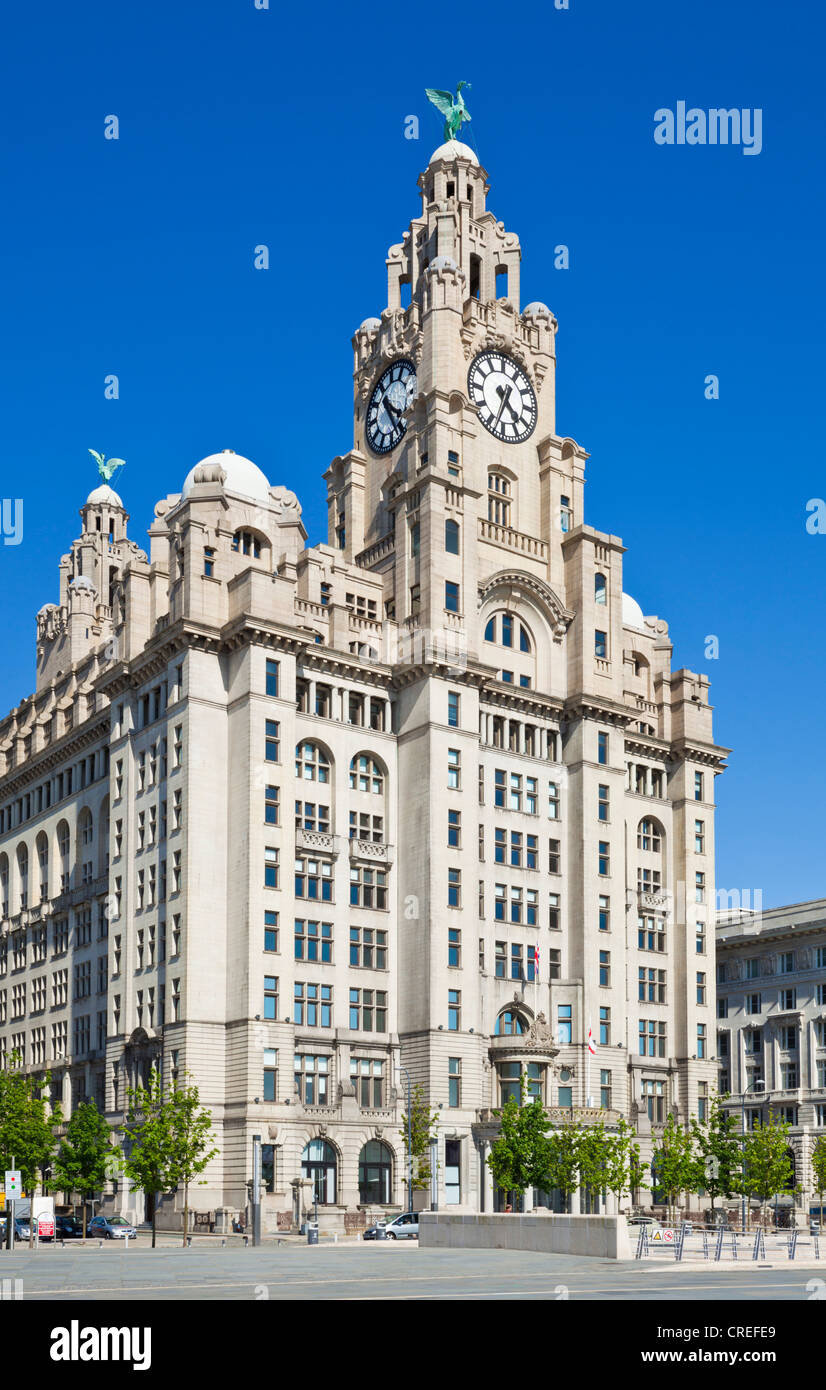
column 771, row 1023
column 421, row 801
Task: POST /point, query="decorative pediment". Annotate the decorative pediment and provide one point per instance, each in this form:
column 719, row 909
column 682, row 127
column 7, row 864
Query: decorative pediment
column 511, row 584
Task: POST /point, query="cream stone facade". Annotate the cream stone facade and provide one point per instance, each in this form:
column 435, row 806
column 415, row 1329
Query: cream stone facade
column 326, row 807
column 771, row 1024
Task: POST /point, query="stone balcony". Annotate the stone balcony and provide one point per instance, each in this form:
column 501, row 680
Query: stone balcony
column 316, row 842
column 510, row 539
column 373, row 850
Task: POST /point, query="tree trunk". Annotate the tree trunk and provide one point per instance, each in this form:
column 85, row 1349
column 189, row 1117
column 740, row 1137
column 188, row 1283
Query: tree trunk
column 186, row 1210
column 85, row 1215
column 154, row 1219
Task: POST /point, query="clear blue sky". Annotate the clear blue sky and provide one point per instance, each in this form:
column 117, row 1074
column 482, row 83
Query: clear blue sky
column 286, row 127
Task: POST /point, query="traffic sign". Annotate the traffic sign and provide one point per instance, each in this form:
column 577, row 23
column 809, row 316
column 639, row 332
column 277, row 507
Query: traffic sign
column 13, row 1185
column 662, row 1236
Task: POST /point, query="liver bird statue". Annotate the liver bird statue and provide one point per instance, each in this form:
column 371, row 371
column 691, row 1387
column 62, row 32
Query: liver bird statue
column 452, row 108
column 106, row 467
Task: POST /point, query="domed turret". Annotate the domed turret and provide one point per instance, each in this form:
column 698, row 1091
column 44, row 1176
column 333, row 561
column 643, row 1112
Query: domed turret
column 233, row 472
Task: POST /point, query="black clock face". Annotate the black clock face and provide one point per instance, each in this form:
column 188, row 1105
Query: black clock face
column 503, row 396
column 387, row 411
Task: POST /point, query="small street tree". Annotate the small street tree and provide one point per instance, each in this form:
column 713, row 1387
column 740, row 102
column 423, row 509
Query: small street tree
column 85, row 1159
column 189, row 1130
column 623, row 1168
column 519, row 1156
column 423, row 1121
column 819, row 1172
column 26, row 1127
column 674, row 1163
column 594, row 1155
column 719, row 1154
column 563, row 1160
column 149, row 1162
column 768, row 1169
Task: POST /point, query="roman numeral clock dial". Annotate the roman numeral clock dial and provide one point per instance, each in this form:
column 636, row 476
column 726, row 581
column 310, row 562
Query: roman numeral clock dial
column 392, row 396
column 503, row 396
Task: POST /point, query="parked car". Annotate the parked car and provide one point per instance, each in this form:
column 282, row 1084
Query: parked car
column 650, row 1222
column 67, row 1227
column 404, row 1226
column 21, row 1228
column 111, row 1228
column 372, row 1232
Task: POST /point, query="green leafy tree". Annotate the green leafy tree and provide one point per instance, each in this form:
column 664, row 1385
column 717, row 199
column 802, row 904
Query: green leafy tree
column 519, row 1157
column 27, row 1123
column 768, row 1169
column 85, row 1159
column 594, row 1155
column 563, row 1160
column 189, row 1127
column 819, row 1171
column 623, row 1170
column 423, row 1122
column 674, row 1162
column 719, row 1153
column 149, row 1161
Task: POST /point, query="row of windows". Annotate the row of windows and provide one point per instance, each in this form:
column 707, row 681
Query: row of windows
column 786, row 963
column 786, row 999
column 71, row 780
column 313, row 1005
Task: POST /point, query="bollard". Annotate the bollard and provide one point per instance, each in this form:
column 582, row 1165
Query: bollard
column 246, row 1241
column 223, row 1243
column 126, row 1240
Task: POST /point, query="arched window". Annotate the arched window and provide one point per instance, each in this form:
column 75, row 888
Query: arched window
column 375, row 1173
column 23, row 874
column 600, row 589
column 509, row 1022
column 85, row 832
column 4, row 885
column 104, row 836
column 247, row 543
column 64, row 841
column 318, row 1163
column 649, row 836
column 452, row 537
column 499, row 499
column 43, row 865
column 506, row 630
column 311, row 763
column 366, row 775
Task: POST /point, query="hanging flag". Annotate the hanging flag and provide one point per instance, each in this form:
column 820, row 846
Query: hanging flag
column 592, row 1047
column 536, row 961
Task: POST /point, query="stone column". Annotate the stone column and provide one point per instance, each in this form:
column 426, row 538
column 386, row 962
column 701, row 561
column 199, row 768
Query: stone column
column 575, row 1206
column 487, row 1178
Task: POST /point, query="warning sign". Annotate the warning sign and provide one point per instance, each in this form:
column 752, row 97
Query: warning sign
column 663, row 1237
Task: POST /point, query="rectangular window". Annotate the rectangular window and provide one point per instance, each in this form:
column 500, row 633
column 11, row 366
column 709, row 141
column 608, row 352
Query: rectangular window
column 604, row 859
column 313, row 941
column 270, row 867
column 454, row 947
column 451, row 596
column 603, row 803
column 454, row 887
column 452, row 709
column 454, row 1010
column 270, row 931
column 605, row 1089
column 454, row 829
column 270, row 997
column 368, row 948
column 788, row 998
column 313, row 1005
column 699, row 837
column 600, row 644
column 602, row 748
column 368, row 1010
column 702, row 1031
column 272, row 678
column 564, row 1023
column 698, row 786
column 753, row 1002
column 553, row 856
column 700, row 938
column 722, row 1006
column 272, row 741
column 314, row 880
column 270, row 1073
column 454, row 769
column 605, row 968
column 604, row 912
column 701, row 987
column 368, row 1081
column 311, row 1077
column 454, row 1082
column 699, row 888
column 605, row 1027
column 554, row 920
column 271, row 805
column 553, row 801
column 652, row 1038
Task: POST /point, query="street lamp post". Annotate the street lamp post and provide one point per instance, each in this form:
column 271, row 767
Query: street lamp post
column 752, row 1086
column 409, row 1141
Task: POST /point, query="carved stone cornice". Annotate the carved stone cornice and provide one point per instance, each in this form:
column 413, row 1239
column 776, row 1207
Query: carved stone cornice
column 512, row 581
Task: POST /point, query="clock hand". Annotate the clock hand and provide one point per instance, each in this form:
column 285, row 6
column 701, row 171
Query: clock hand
column 503, row 401
column 391, row 410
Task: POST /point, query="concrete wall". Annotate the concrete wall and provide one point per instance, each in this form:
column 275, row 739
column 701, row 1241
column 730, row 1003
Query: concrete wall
column 606, row 1236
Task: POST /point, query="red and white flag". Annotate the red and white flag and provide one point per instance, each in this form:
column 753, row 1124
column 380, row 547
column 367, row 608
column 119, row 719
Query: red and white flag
column 592, row 1047
column 536, row 961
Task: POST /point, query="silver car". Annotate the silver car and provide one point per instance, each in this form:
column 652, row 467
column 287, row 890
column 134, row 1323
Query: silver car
column 111, row 1228
column 404, row 1226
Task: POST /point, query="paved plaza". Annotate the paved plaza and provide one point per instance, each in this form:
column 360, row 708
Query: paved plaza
column 390, row 1272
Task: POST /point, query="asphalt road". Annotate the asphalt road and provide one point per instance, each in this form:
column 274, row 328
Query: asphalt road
column 391, row 1272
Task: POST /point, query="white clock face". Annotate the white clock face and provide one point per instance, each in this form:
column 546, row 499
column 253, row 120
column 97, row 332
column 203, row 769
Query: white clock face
column 392, row 396
column 503, row 396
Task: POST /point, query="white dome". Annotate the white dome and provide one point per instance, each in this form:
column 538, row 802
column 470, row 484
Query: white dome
column 104, row 496
column 244, row 478
column 536, row 309
column 632, row 614
column 370, row 324
column 81, row 581
column 453, row 149
column 443, row 263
